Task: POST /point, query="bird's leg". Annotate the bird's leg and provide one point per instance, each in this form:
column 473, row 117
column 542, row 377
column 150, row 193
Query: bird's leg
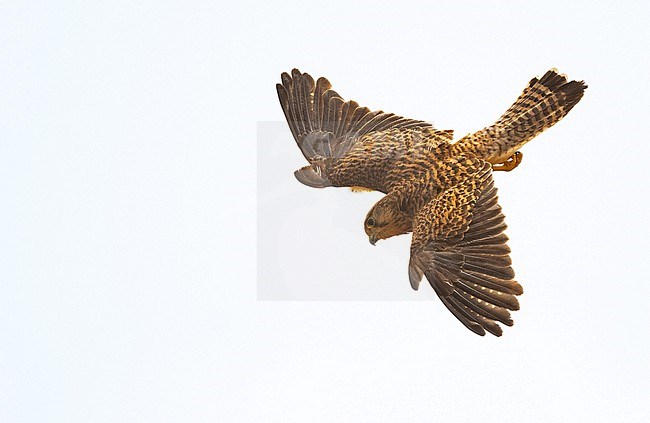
column 510, row 163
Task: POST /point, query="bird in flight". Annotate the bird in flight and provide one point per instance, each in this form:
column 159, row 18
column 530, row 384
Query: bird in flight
column 441, row 191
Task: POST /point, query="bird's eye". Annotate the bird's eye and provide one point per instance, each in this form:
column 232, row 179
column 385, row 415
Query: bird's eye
column 370, row 221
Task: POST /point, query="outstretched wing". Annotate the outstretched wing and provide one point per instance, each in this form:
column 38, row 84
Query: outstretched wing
column 323, row 124
column 347, row 144
column 459, row 245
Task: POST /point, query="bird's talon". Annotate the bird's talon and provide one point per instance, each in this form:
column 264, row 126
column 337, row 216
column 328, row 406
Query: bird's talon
column 510, row 163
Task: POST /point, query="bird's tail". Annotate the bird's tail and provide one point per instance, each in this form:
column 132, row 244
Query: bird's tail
column 542, row 104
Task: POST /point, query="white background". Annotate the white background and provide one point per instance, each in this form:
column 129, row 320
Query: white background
column 128, row 221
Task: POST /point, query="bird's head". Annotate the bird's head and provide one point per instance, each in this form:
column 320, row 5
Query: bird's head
column 386, row 219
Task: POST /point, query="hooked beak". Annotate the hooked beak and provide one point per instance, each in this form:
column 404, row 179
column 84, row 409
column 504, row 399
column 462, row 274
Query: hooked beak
column 372, row 240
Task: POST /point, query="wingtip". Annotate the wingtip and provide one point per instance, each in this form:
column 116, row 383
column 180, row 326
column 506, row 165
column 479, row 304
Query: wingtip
column 281, row 89
column 312, row 176
column 324, row 83
column 498, row 333
column 286, row 79
column 415, row 274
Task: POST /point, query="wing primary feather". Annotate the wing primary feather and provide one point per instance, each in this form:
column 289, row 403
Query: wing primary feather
column 489, row 222
column 341, row 129
column 329, row 113
column 336, row 104
column 370, row 124
column 496, row 249
column 487, row 324
column 346, row 120
column 482, row 259
column 466, row 320
column 298, row 100
column 358, row 117
column 490, row 270
column 286, row 80
column 498, row 298
column 283, row 95
column 486, row 233
column 485, row 309
column 462, row 313
column 378, row 123
column 308, row 89
column 439, row 280
column 364, row 124
column 487, row 282
column 496, row 240
column 322, row 85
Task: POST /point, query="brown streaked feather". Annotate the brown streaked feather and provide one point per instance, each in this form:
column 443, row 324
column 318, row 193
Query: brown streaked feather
column 301, row 106
column 322, row 85
column 506, row 301
column 314, row 108
column 486, row 309
column 472, row 320
column 542, row 104
column 485, row 282
column 392, row 158
column 459, row 245
column 331, row 101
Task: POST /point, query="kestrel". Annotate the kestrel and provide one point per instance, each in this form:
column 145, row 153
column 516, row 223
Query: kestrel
column 441, row 191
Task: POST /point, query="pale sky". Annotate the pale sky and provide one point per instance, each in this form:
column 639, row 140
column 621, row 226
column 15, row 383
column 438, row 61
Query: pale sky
column 146, row 278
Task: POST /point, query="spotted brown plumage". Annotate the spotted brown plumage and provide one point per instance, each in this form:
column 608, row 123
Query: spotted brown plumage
column 441, row 191
column 459, row 245
column 541, row 105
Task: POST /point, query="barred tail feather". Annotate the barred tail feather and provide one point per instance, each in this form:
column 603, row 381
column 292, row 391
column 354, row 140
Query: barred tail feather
column 542, row 104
